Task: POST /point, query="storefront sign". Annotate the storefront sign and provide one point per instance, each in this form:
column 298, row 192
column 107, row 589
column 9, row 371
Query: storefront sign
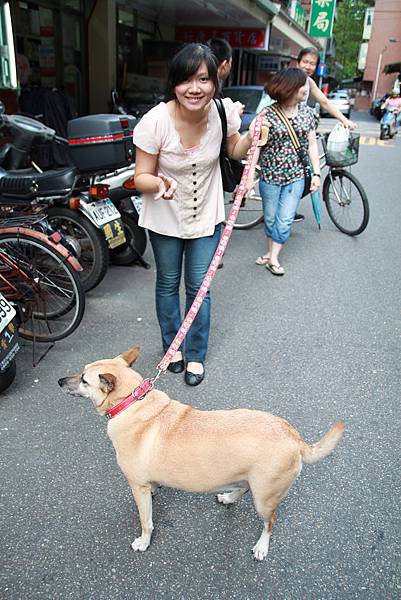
column 322, row 18
column 237, row 37
column 300, row 15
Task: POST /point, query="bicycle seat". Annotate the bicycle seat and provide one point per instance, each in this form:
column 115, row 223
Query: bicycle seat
column 28, row 184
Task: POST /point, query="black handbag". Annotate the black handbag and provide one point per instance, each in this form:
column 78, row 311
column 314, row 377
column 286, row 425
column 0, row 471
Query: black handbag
column 231, row 170
column 302, row 153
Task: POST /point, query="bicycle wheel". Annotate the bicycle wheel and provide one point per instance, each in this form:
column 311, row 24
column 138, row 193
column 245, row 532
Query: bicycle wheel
column 250, row 213
column 346, row 202
column 47, row 290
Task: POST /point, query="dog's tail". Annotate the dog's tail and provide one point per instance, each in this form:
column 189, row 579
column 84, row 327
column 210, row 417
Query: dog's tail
column 313, row 453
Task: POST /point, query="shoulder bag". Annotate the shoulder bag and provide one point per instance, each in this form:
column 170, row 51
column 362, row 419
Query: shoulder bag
column 231, row 170
column 302, row 153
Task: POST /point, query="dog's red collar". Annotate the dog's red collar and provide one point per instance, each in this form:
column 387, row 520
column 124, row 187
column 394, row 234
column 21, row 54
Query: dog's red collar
column 140, row 392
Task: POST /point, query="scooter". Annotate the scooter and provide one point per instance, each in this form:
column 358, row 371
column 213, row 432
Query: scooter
column 389, row 122
column 74, row 204
column 9, row 343
column 128, row 200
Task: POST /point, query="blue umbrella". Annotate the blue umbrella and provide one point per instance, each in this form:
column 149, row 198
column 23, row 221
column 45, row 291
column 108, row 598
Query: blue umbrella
column 315, row 197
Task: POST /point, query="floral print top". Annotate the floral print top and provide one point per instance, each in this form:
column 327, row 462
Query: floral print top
column 279, row 160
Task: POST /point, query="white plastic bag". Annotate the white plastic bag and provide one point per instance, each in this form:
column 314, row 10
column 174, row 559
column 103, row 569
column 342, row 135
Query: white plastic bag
column 338, row 139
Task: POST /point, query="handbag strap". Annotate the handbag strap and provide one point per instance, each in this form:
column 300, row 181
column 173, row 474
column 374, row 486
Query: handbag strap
column 223, row 117
column 293, row 136
column 285, row 120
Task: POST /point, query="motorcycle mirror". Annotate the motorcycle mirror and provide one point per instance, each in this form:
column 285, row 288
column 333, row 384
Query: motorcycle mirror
column 2, row 108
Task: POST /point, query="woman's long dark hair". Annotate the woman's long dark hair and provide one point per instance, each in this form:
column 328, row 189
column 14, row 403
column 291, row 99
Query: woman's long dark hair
column 185, row 64
column 284, row 84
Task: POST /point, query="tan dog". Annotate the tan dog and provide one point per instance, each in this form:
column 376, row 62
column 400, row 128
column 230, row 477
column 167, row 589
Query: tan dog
column 159, row 441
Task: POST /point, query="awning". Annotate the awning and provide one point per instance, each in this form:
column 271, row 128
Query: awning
column 262, row 11
column 392, row 68
column 269, row 7
column 288, row 27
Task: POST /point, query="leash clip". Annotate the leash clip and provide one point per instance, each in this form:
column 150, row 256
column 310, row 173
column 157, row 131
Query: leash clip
column 156, row 377
column 143, row 388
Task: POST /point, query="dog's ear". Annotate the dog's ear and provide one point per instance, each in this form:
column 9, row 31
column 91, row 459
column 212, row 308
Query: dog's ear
column 107, row 382
column 131, row 355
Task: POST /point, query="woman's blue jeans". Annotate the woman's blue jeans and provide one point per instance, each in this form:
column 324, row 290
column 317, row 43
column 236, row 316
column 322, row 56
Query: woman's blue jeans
column 197, row 253
column 280, row 203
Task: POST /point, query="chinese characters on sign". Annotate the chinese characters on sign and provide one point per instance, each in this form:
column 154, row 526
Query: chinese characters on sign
column 322, row 18
column 300, row 16
column 237, row 37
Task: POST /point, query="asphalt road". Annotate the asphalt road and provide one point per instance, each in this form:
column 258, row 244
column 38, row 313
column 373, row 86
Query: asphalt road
column 319, row 344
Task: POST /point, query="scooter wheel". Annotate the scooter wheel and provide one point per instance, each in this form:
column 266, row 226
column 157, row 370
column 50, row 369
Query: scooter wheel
column 94, row 256
column 8, row 376
column 135, row 246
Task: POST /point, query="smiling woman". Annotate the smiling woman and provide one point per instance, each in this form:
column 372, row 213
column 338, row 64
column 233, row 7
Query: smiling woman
column 177, row 169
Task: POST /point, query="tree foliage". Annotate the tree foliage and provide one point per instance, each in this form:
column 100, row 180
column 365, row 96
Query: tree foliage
column 348, row 29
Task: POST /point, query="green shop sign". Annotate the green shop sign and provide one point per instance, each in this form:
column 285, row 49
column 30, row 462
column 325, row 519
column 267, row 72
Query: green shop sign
column 322, row 18
column 300, row 15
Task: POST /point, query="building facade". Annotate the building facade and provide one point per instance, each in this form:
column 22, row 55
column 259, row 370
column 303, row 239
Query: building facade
column 383, row 48
column 88, row 47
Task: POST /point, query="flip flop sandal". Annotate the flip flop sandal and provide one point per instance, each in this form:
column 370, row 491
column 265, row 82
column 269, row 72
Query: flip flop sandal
column 274, row 270
column 262, row 260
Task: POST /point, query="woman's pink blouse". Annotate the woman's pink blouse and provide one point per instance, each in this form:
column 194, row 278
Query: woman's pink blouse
column 198, row 203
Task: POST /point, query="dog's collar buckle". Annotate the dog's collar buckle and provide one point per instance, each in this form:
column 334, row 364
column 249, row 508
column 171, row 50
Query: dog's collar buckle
column 139, row 392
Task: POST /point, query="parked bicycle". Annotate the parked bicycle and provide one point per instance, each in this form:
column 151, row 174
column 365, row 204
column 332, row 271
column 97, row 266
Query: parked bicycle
column 39, row 277
column 343, row 195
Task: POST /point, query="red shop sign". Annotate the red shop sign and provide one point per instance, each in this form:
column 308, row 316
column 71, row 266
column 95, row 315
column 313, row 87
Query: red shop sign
column 236, row 37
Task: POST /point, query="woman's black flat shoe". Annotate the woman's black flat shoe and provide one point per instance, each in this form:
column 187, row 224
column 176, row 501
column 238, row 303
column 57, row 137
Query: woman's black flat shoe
column 176, row 367
column 194, row 378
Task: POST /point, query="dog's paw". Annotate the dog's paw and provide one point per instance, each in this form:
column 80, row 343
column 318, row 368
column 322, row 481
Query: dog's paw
column 260, row 550
column 141, row 543
column 225, row 498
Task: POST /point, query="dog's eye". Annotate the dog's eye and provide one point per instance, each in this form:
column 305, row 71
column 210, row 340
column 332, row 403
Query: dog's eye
column 83, row 380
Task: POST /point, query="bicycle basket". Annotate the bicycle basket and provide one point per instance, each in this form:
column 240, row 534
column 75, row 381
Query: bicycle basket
column 343, row 158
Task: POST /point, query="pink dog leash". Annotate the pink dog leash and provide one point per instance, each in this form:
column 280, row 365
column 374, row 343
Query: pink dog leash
column 148, row 384
column 218, row 255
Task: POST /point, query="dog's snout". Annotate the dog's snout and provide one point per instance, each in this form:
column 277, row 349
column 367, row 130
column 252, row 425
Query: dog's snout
column 62, row 381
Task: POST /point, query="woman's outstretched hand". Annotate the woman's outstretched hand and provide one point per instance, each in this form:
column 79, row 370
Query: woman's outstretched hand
column 167, row 187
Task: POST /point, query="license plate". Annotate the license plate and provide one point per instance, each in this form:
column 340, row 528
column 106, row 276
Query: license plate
column 137, row 202
column 7, row 312
column 9, row 345
column 103, row 212
column 114, row 233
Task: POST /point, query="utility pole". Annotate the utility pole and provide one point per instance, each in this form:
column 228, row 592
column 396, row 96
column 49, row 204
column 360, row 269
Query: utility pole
column 323, row 60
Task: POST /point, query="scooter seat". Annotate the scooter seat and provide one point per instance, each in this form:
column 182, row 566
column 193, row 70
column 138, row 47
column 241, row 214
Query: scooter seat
column 27, row 184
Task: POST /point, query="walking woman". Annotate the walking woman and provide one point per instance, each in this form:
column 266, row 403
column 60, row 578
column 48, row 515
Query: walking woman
column 178, row 171
column 282, row 173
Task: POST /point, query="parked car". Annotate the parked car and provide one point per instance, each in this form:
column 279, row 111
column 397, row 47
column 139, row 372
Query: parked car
column 376, row 106
column 134, row 103
column 253, row 97
column 346, row 92
column 341, row 100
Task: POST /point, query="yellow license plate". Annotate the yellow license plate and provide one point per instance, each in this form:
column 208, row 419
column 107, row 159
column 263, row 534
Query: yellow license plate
column 114, row 233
